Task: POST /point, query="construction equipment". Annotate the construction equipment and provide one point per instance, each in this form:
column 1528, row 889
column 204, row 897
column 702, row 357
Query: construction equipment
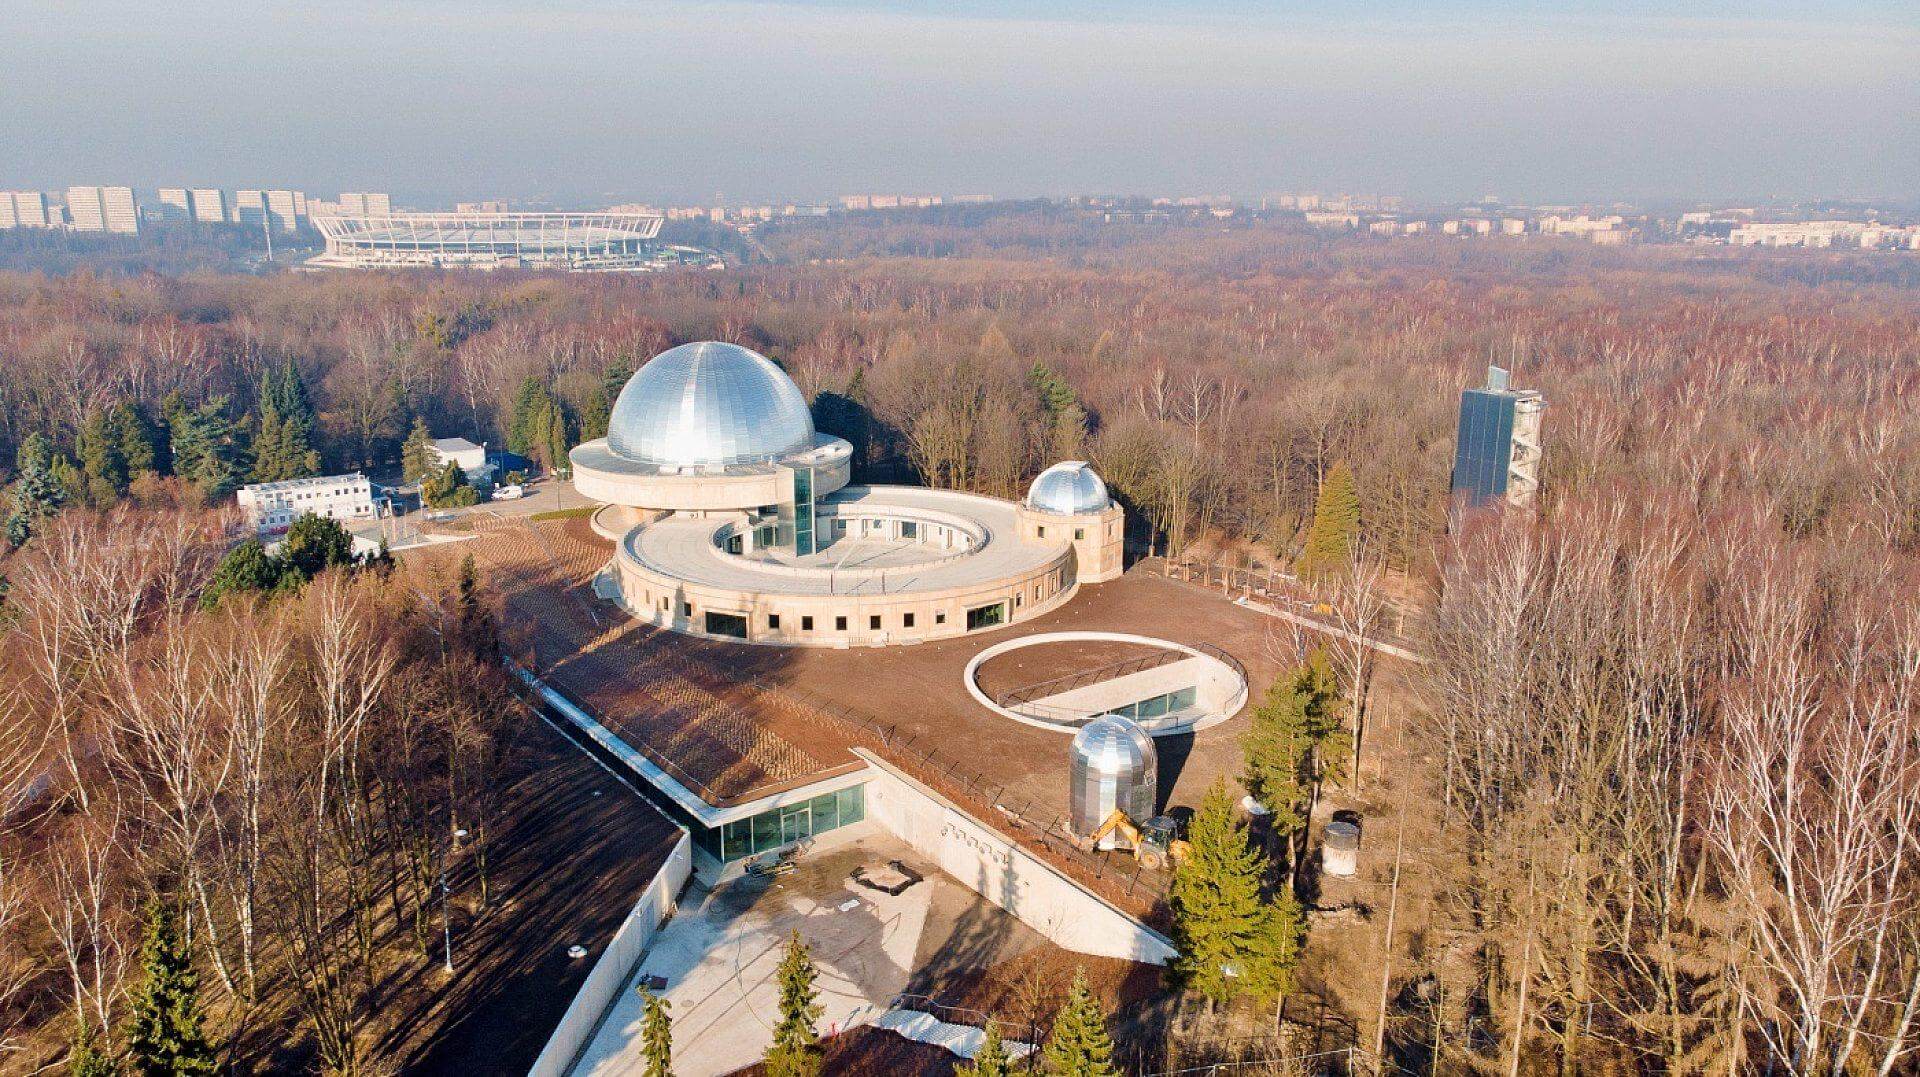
column 1155, row 845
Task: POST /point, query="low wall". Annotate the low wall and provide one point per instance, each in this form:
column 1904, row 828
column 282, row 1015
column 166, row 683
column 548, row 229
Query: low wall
column 622, row 955
column 1004, row 873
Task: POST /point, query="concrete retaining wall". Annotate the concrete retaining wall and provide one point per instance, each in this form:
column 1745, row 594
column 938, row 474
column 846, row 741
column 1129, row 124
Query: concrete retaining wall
column 1006, row 874
column 621, row 956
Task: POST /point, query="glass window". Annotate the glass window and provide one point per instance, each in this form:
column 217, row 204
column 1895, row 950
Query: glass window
column 1043, row 532
column 853, row 805
column 826, row 812
column 773, row 620
column 907, row 620
column 940, row 617
column 873, row 622
column 840, row 624
column 1079, row 533
column 766, row 831
column 738, row 840
column 1183, row 698
column 806, row 623
column 1153, row 708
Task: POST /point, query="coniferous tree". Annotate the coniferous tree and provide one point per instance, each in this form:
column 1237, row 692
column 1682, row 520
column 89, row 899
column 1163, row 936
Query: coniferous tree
column 1079, row 1045
column 449, row 487
column 36, row 494
column 1230, row 942
column 98, row 446
column 283, row 447
column 204, row 450
column 86, row 1057
column 313, row 545
column 139, row 439
column 1295, row 744
column 1336, row 526
column 476, row 624
column 656, row 1037
column 991, row 1059
column 521, row 433
column 247, row 569
column 164, row 1038
column 795, row 1051
column 417, row 460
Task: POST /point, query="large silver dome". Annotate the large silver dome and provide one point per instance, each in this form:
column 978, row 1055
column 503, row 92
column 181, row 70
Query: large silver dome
column 1068, row 489
column 709, row 404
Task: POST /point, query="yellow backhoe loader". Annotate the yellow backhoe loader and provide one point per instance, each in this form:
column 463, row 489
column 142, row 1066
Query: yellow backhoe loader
column 1153, row 845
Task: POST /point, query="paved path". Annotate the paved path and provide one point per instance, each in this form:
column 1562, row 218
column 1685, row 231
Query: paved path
column 962, row 1040
column 719, row 959
column 1332, row 630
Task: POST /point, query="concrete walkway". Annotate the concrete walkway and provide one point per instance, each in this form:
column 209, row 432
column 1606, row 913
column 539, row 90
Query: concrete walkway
column 719, row 960
column 962, row 1040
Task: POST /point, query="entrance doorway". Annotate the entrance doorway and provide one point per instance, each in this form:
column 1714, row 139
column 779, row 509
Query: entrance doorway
column 796, row 823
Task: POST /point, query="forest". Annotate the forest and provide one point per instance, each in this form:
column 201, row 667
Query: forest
column 1671, row 714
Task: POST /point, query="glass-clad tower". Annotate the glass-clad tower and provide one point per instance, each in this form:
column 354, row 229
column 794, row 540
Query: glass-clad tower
column 1497, row 450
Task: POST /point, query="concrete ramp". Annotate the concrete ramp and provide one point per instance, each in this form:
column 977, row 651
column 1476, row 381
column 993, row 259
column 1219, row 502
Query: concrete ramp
column 962, row 1040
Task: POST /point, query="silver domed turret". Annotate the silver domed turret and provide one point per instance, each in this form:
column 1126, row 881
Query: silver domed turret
column 1068, row 489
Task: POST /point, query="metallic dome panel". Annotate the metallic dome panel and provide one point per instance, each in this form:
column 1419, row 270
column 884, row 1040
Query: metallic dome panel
column 1068, row 489
column 1113, row 764
column 709, row 405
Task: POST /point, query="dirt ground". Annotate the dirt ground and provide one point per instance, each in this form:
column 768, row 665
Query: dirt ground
column 576, row 850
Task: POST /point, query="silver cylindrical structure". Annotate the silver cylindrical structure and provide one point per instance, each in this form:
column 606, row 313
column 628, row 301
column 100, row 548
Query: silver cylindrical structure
column 1113, row 766
column 1340, row 848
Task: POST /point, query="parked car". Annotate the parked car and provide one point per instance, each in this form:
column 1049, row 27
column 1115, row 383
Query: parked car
column 509, row 493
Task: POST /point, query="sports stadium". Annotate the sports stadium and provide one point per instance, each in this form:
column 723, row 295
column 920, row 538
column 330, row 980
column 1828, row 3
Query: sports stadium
column 601, row 242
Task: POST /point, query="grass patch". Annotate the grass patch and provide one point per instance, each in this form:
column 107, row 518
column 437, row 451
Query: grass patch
column 565, row 514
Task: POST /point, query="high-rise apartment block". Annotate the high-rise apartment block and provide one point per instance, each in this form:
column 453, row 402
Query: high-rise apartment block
column 1497, row 452
column 174, row 204
column 23, row 209
column 249, row 208
column 206, row 205
column 286, row 208
column 366, row 204
column 103, row 209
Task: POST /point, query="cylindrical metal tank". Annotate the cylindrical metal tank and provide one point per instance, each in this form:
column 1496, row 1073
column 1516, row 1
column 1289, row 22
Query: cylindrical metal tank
column 1340, row 848
column 1113, row 766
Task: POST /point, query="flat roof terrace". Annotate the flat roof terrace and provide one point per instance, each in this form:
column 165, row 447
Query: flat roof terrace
column 683, row 548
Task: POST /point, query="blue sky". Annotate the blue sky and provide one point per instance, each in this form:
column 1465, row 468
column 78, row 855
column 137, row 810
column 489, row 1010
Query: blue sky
column 586, row 101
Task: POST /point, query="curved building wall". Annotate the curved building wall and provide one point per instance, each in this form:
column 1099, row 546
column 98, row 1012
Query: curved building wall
column 844, row 620
column 1099, row 538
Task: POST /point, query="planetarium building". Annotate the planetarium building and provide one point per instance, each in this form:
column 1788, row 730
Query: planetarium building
column 735, row 519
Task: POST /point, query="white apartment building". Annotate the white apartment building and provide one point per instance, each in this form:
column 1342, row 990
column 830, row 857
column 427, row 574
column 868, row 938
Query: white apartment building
column 103, row 209
column 1796, row 234
column 285, row 209
column 174, row 204
column 207, row 205
column 249, row 207
column 1513, row 226
column 23, row 209
column 272, row 507
column 365, row 204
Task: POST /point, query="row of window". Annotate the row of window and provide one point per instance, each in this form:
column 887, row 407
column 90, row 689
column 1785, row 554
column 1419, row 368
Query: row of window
column 783, row 826
column 1078, row 532
column 1157, row 706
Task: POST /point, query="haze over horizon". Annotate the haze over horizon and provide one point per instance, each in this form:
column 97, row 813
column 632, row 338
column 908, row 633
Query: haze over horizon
column 592, row 101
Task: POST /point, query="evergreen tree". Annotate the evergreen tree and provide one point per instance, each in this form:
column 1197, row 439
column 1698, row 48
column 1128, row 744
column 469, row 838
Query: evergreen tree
column 36, row 494
column 656, row 1037
column 1079, row 1045
column 596, row 410
column 98, row 447
column 476, row 625
column 448, row 487
column 313, row 545
column 204, row 450
column 991, row 1059
column 1230, row 942
column 247, row 569
column 164, row 1038
column 283, row 447
column 417, row 460
column 86, row 1058
column 527, row 400
column 139, row 439
column 1296, row 743
column 795, row 1051
column 1336, row 526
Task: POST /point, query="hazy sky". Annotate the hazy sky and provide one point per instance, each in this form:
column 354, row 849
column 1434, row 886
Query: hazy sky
column 587, row 101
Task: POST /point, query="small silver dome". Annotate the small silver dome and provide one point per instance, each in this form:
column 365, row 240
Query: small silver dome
column 709, row 404
column 1068, row 489
column 1112, row 765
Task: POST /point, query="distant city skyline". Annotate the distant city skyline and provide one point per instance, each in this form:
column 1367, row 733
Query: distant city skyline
column 590, row 103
